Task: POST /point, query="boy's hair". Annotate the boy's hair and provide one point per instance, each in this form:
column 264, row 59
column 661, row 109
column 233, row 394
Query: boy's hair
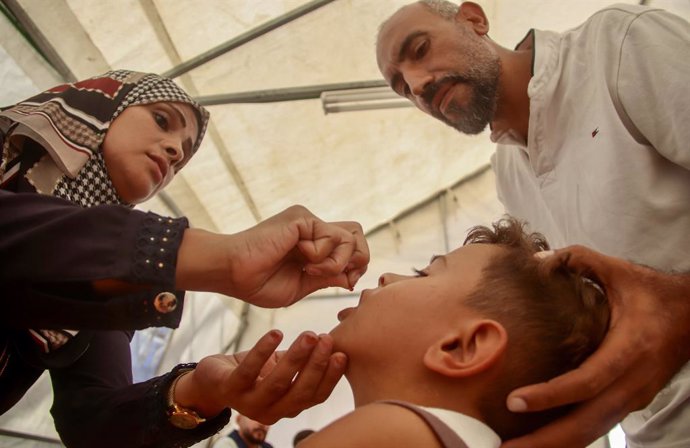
column 554, row 318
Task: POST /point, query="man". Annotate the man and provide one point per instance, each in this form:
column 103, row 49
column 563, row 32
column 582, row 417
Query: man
column 249, row 434
column 592, row 149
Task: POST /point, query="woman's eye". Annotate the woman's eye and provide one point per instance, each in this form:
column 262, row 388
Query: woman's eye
column 161, row 120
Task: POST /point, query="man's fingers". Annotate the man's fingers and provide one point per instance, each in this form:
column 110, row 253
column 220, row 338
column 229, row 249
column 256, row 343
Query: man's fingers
column 605, row 366
column 251, row 362
column 590, row 263
column 589, row 420
column 577, row 429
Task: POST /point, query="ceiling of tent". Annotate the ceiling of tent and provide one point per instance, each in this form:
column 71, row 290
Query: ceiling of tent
column 383, row 168
column 257, row 159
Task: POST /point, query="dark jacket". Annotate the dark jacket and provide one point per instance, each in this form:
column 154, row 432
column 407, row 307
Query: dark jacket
column 50, row 251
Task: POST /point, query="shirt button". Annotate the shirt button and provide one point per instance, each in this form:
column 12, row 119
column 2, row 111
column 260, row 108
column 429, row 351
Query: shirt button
column 165, row 302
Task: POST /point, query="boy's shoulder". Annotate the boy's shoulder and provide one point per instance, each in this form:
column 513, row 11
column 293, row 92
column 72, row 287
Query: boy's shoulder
column 377, row 425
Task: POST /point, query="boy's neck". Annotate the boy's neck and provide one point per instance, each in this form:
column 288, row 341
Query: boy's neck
column 427, row 392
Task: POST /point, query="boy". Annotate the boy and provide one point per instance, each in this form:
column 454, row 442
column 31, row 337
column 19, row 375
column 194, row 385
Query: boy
column 432, row 357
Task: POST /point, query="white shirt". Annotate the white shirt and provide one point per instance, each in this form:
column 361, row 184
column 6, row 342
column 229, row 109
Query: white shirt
column 607, row 163
column 473, row 432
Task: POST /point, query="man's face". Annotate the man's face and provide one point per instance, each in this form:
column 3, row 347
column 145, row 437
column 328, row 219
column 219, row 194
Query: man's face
column 442, row 66
column 251, row 430
column 146, row 145
column 404, row 314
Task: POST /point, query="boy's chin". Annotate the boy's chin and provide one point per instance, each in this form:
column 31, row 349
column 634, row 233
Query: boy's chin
column 339, row 339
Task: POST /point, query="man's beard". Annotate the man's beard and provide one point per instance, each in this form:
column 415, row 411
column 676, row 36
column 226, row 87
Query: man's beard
column 482, row 79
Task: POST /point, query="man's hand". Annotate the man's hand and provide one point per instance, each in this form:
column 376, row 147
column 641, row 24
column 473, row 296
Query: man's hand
column 646, row 345
column 292, row 254
column 263, row 384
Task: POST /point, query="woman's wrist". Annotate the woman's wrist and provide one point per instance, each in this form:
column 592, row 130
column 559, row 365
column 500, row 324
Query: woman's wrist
column 190, row 394
column 202, row 262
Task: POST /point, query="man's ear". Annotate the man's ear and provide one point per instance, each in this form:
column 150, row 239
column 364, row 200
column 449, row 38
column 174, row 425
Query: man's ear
column 469, row 350
column 474, row 14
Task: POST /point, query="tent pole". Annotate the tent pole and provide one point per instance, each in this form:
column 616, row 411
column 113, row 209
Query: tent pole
column 245, row 37
column 286, row 94
column 26, row 436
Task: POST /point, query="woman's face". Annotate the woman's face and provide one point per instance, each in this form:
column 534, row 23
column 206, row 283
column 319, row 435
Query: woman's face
column 146, row 145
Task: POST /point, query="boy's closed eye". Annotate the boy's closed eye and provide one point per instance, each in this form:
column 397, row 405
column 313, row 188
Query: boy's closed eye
column 420, row 273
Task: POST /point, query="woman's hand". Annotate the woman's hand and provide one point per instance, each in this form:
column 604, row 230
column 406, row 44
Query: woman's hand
column 277, row 262
column 261, row 383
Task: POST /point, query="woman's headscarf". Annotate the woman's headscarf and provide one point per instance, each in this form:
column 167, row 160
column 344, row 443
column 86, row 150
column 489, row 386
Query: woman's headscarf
column 70, row 122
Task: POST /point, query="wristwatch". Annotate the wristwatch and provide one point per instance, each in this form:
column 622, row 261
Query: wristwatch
column 178, row 416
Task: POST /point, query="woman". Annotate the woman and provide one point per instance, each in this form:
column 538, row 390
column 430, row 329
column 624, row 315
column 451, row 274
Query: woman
column 118, row 139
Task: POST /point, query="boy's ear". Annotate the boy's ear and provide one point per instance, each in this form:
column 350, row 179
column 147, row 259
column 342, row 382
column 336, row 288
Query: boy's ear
column 474, row 14
column 469, row 350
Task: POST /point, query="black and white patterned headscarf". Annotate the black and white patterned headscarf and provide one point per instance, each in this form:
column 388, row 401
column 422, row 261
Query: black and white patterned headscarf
column 70, row 122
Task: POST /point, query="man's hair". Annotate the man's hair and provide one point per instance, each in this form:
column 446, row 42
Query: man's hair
column 554, row 318
column 441, row 8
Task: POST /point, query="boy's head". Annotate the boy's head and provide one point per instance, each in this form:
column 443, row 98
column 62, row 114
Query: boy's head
column 471, row 327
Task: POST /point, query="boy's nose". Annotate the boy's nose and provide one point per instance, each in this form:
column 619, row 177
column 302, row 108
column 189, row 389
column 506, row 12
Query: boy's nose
column 382, row 280
column 388, row 278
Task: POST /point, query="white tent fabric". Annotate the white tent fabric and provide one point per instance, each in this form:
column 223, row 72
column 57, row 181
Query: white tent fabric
column 414, row 184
